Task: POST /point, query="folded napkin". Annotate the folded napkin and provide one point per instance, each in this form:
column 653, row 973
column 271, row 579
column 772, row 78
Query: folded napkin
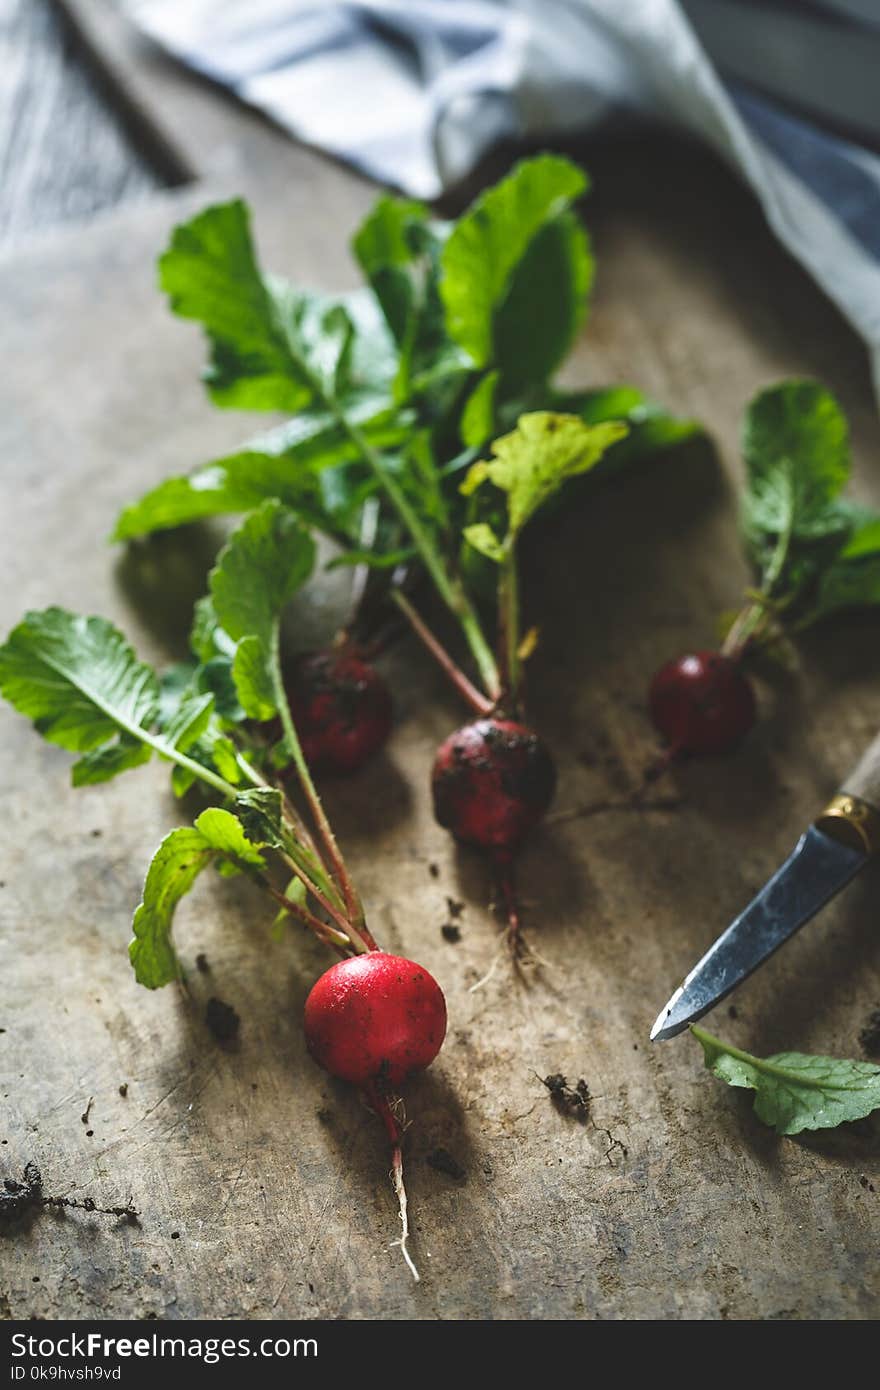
column 413, row 92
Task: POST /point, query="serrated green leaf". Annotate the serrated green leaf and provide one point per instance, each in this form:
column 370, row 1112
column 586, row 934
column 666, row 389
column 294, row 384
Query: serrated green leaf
column 77, row 678
column 398, row 248
column 259, row 811
column 207, row 639
column 794, row 1090
column 210, row 274
column 253, row 682
column 178, row 861
column 266, row 560
column 796, row 448
column 478, row 416
column 488, row 243
column 189, row 721
column 532, row 462
column 103, row 764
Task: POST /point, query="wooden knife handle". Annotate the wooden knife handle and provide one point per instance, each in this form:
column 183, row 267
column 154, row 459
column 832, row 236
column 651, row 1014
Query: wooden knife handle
column 864, row 780
column 853, row 816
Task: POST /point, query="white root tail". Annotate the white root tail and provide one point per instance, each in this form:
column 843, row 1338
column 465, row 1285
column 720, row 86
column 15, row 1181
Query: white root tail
column 397, row 1179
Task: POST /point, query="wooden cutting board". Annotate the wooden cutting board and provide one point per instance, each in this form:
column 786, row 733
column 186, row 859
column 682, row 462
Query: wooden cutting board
column 262, row 1185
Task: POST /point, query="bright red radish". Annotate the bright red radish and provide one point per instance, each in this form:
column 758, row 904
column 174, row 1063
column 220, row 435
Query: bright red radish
column 374, row 1019
column 342, row 710
column 492, row 782
column 702, row 703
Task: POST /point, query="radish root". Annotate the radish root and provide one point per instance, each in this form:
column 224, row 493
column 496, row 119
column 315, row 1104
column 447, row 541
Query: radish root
column 381, row 1105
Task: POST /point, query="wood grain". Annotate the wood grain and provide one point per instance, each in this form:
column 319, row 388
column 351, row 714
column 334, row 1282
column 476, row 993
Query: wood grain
column 262, row 1185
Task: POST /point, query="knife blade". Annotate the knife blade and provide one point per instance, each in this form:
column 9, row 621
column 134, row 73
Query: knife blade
column 826, row 857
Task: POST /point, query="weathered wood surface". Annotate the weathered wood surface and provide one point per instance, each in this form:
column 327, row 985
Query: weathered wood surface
column 262, row 1185
column 64, row 153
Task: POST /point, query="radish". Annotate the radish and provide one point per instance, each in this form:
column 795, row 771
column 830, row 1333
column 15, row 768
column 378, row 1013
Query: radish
column 373, row 1020
column 702, row 703
column 815, row 554
column 492, row 782
column 341, row 707
column 494, row 779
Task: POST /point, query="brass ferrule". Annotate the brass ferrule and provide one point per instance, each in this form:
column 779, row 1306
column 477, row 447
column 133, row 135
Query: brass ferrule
column 851, row 821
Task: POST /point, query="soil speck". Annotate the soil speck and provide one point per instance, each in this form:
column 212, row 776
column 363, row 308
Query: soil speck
column 222, row 1020
column 443, row 1161
column 569, row 1100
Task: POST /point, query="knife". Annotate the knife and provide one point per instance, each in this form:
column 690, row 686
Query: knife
column 831, row 852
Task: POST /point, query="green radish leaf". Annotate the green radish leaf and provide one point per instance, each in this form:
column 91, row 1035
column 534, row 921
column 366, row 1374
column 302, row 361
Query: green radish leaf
column 299, row 463
column 545, row 305
column 794, row 1090
column 385, row 248
column 478, row 416
column 538, row 457
column 651, row 428
column 259, row 810
column 103, row 764
column 210, row 274
column 489, row 242
column 216, row 836
column 78, row 679
column 264, row 563
column 398, row 248
column 796, row 447
column 266, row 560
column 253, row 680
column 207, row 639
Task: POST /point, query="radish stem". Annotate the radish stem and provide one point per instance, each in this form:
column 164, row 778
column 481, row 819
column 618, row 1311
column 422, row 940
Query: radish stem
column 473, row 697
column 337, row 863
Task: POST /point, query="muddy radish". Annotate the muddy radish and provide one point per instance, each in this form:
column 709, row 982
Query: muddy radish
column 341, row 707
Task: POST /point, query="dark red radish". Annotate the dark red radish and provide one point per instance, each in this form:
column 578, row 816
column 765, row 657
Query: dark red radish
column 702, row 703
column 492, row 782
column 373, row 1020
column 341, row 707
